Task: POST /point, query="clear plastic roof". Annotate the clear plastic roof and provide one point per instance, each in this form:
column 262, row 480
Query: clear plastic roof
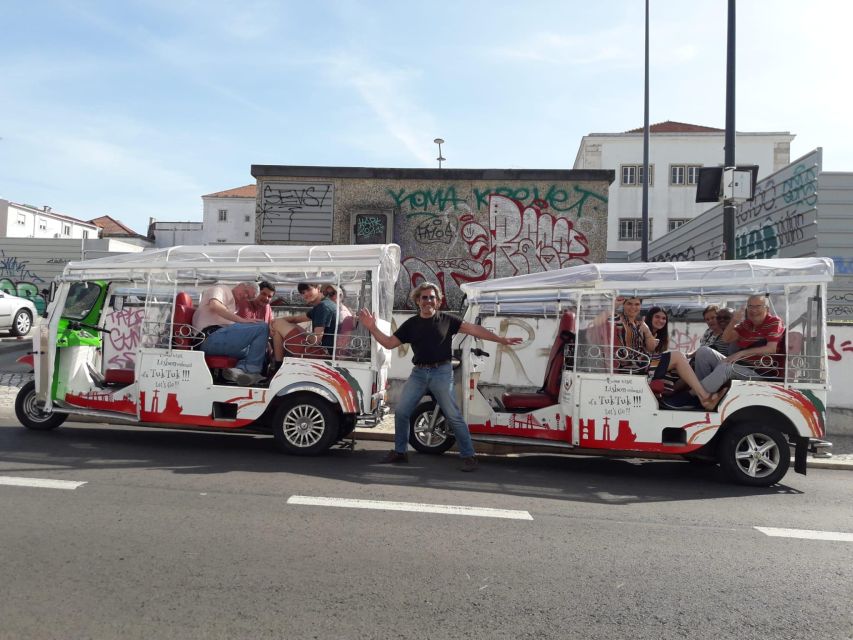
column 658, row 276
column 235, row 262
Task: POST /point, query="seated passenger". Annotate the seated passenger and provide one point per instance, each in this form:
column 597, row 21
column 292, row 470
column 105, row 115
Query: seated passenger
column 289, row 337
column 227, row 334
column 336, row 295
column 258, row 308
column 659, row 324
column 756, row 336
column 632, row 332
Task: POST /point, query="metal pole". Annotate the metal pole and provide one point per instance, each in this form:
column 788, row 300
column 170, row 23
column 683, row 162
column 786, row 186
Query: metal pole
column 644, row 251
column 729, row 205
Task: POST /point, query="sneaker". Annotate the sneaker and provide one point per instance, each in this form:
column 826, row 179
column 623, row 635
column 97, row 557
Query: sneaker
column 393, row 457
column 240, row 377
column 469, row 464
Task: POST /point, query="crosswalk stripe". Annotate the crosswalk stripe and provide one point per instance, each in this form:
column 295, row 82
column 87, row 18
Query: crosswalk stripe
column 41, row 483
column 807, row 534
column 482, row 512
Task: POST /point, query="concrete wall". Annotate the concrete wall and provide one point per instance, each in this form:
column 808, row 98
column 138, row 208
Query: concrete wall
column 453, row 226
column 28, row 265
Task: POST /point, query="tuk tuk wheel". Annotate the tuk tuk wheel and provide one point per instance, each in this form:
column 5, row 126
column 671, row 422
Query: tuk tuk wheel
column 305, row 425
column 426, row 439
column 30, row 413
column 754, row 455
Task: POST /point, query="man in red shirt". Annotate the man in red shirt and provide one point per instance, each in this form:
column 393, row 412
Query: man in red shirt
column 757, row 336
column 258, row 308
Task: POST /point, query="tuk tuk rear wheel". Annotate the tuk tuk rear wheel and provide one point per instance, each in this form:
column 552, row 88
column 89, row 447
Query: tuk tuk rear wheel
column 435, row 440
column 30, row 413
column 754, row 455
column 305, row 425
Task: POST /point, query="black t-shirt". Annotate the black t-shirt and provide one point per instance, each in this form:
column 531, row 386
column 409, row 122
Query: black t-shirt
column 325, row 314
column 430, row 338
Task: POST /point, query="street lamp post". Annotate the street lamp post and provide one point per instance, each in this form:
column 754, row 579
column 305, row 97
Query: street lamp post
column 729, row 161
column 440, row 159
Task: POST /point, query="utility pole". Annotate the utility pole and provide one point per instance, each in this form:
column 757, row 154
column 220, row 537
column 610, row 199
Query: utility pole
column 729, row 162
column 644, row 250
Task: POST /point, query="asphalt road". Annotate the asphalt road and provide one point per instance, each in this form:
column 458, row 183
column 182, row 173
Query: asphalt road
column 191, row 535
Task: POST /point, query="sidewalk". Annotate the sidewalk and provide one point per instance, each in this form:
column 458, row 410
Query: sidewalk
column 10, row 382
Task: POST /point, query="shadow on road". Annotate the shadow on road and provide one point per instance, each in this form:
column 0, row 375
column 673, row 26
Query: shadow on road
column 574, row 478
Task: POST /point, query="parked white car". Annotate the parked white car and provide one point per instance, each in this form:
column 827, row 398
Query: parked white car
column 16, row 314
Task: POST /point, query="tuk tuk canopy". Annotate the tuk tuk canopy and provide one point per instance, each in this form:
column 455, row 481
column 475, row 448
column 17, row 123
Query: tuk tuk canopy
column 647, row 278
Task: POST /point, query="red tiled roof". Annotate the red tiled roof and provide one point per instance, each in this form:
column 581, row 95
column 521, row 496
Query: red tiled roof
column 112, row 227
column 249, row 191
column 670, row 126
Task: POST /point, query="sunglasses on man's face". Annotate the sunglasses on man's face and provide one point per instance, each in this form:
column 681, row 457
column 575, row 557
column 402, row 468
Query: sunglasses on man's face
column 427, row 297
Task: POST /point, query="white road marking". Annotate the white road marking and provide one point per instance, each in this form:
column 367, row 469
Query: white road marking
column 807, row 534
column 42, row 483
column 482, row 512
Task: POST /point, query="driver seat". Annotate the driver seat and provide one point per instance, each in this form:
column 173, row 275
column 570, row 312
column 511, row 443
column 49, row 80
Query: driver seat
column 562, row 351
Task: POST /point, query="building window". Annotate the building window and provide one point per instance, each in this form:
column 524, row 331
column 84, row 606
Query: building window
column 42, row 224
column 246, row 234
column 632, row 174
column 66, row 229
column 684, row 174
column 223, row 215
column 631, row 229
column 673, row 223
column 22, row 219
column 85, row 233
column 248, row 218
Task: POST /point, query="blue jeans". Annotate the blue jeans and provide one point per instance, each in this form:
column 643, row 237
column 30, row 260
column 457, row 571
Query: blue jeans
column 440, row 382
column 245, row 341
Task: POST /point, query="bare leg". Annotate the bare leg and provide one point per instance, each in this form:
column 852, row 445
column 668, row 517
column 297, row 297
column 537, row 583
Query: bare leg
column 679, row 362
column 278, row 330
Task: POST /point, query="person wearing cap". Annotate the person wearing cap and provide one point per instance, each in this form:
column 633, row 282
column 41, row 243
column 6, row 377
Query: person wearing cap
column 430, row 333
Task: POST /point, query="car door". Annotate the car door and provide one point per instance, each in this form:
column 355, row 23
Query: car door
column 6, row 310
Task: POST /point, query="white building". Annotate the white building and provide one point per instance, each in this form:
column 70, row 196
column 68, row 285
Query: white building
column 27, row 221
column 229, row 216
column 171, row 234
column 676, row 151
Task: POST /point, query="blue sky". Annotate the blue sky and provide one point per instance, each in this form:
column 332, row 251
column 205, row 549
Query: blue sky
column 137, row 108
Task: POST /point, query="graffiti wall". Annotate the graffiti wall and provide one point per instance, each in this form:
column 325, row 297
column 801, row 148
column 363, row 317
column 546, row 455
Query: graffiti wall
column 453, row 226
column 29, row 265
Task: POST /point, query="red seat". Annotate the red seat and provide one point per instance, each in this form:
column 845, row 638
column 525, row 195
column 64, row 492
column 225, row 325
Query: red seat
column 550, row 391
column 184, row 334
column 119, row 377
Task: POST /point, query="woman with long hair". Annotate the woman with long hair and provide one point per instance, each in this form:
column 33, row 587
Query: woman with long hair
column 658, row 322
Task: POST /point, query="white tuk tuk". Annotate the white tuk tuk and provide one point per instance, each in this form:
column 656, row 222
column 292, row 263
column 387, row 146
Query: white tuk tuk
column 589, row 401
column 119, row 343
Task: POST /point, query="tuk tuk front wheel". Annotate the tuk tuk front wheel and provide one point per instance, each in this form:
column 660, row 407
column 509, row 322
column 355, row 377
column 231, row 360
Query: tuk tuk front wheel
column 754, row 455
column 305, row 425
column 31, row 414
column 427, row 436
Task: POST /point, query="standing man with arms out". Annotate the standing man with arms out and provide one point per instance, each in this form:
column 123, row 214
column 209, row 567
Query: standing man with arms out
column 430, row 333
column 227, row 334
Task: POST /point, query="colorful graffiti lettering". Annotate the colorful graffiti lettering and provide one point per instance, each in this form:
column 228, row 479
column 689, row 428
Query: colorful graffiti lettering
column 124, row 338
column 519, row 239
column 846, row 347
column 17, row 279
column 682, row 341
